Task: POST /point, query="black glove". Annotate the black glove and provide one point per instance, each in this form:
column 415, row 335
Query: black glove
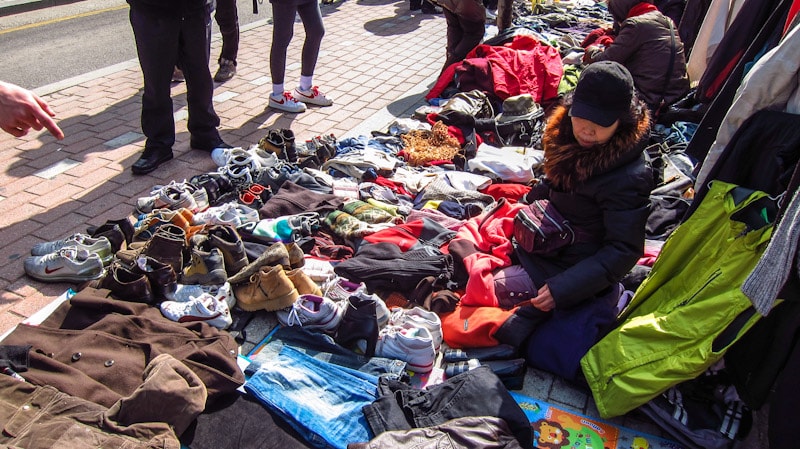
column 452, row 117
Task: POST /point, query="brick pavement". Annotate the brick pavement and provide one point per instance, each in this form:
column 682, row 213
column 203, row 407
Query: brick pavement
column 377, row 60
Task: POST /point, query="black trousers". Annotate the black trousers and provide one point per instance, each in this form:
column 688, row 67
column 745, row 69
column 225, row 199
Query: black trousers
column 462, row 36
column 163, row 42
column 227, row 18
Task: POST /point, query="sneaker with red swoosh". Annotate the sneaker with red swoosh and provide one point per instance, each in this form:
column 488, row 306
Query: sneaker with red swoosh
column 286, row 102
column 312, row 96
column 204, row 307
column 67, row 264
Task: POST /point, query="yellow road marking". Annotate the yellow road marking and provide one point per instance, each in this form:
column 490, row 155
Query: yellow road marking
column 63, row 19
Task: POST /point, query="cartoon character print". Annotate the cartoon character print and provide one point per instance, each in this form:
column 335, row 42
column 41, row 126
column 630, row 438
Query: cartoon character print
column 640, row 443
column 550, row 434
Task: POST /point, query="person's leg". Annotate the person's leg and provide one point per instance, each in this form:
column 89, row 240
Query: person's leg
column 283, row 15
column 157, row 46
column 471, row 36
column 311, row 16
column 454, row 36
column 505, row 9
column 227, row 18
column 195, row 39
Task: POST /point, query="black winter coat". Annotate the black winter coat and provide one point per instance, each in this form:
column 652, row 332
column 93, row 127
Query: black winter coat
column 604, row 190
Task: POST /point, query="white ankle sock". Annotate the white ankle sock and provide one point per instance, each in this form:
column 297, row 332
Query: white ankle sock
column 306, row 82
column 277, row 90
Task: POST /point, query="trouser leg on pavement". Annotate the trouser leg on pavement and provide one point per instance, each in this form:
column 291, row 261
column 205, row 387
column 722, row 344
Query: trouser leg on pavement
column 157, row 46
column 195, row 50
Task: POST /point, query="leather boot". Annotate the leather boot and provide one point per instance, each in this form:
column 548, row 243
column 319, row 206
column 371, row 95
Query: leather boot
column 230, row 243
column 360, row 323
column 167, row 245
column 296, row 255
column 162, row 277
column 205, row 267
column 304, row 284
column 290, row 150
column 269, row 289
column 276, row 254
column 120, row 230
column 127, row 285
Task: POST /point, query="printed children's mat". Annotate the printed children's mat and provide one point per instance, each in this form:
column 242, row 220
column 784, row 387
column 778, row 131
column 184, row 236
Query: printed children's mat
column 555, row 427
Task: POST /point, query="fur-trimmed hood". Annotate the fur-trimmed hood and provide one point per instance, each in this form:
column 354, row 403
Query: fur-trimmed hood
column 567, row 165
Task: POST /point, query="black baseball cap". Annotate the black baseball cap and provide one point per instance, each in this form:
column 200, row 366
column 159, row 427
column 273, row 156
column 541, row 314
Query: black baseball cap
column 603, row 94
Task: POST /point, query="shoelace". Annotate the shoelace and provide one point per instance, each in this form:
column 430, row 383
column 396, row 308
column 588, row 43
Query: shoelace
column 293, row 318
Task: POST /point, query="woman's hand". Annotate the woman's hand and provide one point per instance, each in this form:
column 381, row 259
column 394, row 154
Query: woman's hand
column 544, row 300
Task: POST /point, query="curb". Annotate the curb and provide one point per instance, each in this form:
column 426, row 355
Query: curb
column 11, row 7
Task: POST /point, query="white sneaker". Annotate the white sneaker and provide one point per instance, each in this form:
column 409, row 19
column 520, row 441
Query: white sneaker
column 339, row 288
column 312, row 96
column 411, row 345
column 286, row 102
column 418, row 317
column 222, row 292
column 68, row 264
column 199, row 308
column 312, row 312
column 100, row 246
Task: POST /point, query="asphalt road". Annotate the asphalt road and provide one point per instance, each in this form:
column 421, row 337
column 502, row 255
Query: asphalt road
column 46, row 46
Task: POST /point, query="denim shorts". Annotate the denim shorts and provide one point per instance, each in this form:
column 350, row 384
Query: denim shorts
column 320, row 400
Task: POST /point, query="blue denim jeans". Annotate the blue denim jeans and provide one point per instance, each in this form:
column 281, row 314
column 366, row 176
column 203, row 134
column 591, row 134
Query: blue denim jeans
column 322, row 401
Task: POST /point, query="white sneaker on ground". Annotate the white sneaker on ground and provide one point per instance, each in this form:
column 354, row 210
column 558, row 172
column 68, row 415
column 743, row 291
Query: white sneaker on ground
column 312, row 96
column 312, row 312
column 286, row 102
column 199, row 308
column 222, row 292
column 411, row 345
column 418, row 317
column 100, row 246
column 67, row 264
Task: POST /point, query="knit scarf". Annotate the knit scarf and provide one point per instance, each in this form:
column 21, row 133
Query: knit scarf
column 641, row 8
column 773, row 269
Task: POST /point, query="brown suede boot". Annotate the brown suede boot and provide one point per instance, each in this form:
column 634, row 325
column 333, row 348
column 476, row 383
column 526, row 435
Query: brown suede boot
column 304, row 284
column 269, row 289
column 276, row 254
column 296, row 255
column 126, row 284
column 167, row 245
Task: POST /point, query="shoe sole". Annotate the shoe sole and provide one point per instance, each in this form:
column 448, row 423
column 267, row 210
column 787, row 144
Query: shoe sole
column 75, row 279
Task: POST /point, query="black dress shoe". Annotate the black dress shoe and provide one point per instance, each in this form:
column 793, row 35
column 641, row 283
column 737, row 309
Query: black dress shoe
column 208, row 147
column 150, row 159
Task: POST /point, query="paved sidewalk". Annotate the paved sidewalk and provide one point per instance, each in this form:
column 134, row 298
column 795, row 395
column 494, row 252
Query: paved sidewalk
column 377, row 61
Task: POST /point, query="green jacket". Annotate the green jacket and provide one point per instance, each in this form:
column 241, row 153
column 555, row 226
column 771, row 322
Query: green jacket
column 690, row 309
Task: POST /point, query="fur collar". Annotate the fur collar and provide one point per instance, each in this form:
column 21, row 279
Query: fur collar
column 567, row 165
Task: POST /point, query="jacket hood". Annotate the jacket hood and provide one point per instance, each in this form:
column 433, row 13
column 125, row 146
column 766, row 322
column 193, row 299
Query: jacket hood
column 619, row 8
column 567, row 165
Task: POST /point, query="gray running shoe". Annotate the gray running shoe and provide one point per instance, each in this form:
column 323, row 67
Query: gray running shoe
column 100, row 246
column 68, row 264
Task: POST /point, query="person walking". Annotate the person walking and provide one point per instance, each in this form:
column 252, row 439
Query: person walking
column 283, row 14
column 227, row 17
column 169, row 35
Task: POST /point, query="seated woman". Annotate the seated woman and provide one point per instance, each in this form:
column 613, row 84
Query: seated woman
column 597, row 176
column 646, row 42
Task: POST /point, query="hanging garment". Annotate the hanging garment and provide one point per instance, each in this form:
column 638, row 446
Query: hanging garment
column 690, row 309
